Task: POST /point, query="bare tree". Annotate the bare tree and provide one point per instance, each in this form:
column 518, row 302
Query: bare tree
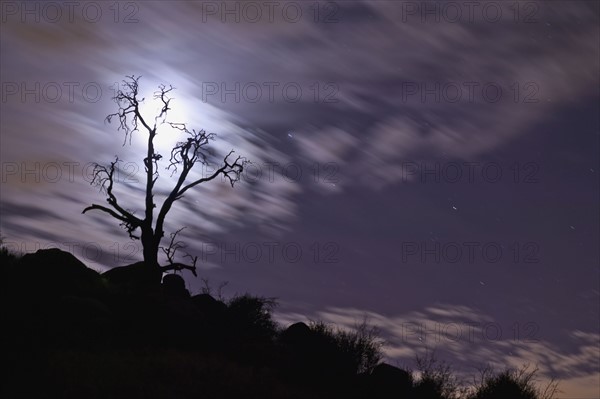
column 183, row 158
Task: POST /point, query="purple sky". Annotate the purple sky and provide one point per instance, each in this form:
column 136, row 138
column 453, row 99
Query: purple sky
column 410, row 164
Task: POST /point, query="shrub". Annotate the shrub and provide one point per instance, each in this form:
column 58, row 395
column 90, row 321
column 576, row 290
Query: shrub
column 7, row 258
column 252, row 315
column 358, row 351
column 514, row 384
column 437, row 380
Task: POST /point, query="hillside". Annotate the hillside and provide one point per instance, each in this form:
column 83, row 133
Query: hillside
column 71, row 332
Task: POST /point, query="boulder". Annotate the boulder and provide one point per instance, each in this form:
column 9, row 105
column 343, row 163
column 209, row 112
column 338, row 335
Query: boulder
column 302, row 356
column 134, row 278
column 211, row 322
column 388, row 381
column 53, row 272
column 297, row 335
column 208, row 306
column 50, row 290
column 173, row 285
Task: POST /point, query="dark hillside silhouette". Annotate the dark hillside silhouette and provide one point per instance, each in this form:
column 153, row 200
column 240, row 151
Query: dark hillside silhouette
column 79, row 333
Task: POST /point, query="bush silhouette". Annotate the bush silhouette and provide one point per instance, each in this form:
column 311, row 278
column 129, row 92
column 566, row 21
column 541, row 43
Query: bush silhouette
column 320, row 352
column 511, row 383
column 250, row 329
column 505, row 386
column 252, row 315
column 437, row 380
column 7, row 258
column 361, row 347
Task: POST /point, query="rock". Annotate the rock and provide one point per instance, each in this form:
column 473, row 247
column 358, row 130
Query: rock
column 301, row 349
column 208, row 305
column 173, row 285
column 212, row 321
column 52, row 272
column 51, row 291
column 388, row 381
column 297, row 335
column 137, row 277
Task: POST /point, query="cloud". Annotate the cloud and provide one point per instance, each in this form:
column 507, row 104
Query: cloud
column 470, row 340
column 373, row 127
column 414, row 87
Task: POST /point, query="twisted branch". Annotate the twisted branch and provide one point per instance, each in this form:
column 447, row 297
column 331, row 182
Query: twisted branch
column 104, row 177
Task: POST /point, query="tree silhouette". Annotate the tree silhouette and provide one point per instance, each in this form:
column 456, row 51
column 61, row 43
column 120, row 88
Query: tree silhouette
column 183, row 158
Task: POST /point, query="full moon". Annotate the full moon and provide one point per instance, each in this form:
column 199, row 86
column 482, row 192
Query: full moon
column 166, row 136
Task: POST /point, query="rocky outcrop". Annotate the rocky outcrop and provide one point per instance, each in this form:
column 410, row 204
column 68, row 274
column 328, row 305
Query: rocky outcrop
column 173, row 285
column 54, row 273
column 387, row 381
column 137, row 277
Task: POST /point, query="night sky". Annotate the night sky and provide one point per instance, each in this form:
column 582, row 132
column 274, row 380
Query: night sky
column 432, row 168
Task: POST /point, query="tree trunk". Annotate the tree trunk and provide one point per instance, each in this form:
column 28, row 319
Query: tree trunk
column 150, row 251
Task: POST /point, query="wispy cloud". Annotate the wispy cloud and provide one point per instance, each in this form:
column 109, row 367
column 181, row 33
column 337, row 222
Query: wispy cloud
column 471, row 340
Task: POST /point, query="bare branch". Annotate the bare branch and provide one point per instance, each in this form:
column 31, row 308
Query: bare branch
column 129, row 224
column 190, row 151
column 206, row 289
column 222, row 285
column 104, row 177
column 181, row 266
column 170, row 252
column 161, row 95
column 128, row 103
column 232, row 171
